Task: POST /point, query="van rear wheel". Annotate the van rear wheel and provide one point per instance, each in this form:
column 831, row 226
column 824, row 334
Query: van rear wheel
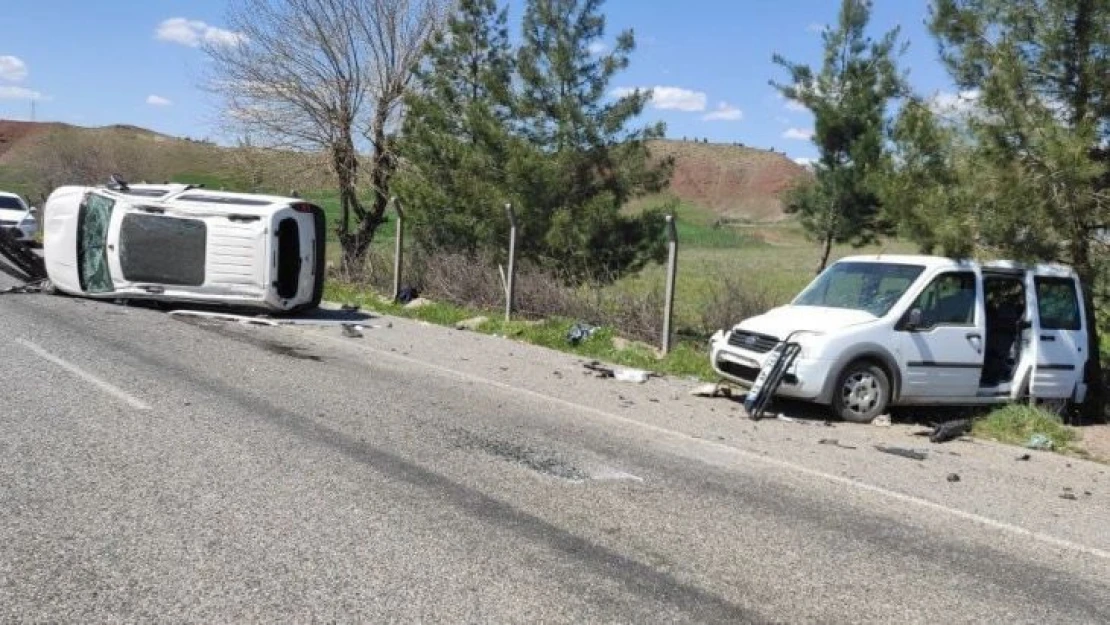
column 862, row 392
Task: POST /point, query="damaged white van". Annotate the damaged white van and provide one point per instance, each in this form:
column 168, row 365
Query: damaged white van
column 182, row 243
column 877, row 331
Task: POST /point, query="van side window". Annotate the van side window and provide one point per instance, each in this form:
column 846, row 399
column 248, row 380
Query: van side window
column 949, row 300
column 1057, row 303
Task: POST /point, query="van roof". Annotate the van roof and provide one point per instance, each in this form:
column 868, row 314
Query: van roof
column 934, row 262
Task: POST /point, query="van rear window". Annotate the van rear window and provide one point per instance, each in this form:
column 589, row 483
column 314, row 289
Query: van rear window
column 1057, row 303
column 163, row 250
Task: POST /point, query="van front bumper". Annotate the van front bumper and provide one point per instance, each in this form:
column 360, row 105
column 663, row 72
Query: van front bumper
column 805, row 379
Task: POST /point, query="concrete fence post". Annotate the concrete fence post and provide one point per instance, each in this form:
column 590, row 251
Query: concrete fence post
column 672, row 269
column 510, row 280
column 398, row 248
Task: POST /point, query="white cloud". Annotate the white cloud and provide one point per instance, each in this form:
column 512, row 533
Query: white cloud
column 792, row 105
column 671, row 98
column 806, row 162
column 597, row 48
column 157, row 100
column 192, row 33
column 814, row 27
column 796, row 106
column 12, row 68
column 20, row 93
column 724, row 112
column 954, row 104
column 797, row 134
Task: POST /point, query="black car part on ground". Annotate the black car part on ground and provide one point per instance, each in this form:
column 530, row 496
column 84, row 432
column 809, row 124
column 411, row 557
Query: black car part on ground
column 19, row 261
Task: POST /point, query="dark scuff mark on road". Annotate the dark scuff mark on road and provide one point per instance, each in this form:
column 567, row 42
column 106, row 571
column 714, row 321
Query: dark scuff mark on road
column 536, row 460
column 249, row 336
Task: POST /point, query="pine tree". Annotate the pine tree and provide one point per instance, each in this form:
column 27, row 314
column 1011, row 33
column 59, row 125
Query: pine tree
column 585, row 163
column 848, row 98
column 1040, row 187
column 456, row 138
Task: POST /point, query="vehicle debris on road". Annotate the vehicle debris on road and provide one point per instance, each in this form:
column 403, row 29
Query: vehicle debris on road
column 835, row 443
column 912, row 454
column 882, row 421
column 950, row 430
column 712, row 390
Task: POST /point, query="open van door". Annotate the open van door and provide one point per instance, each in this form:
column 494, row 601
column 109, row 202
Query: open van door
column 1058, row 338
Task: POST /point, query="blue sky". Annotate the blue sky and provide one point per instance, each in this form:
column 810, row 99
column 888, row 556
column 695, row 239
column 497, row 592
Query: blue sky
column 111, row 61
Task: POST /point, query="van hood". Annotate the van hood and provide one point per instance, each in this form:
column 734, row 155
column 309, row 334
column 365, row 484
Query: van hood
column 781, row 321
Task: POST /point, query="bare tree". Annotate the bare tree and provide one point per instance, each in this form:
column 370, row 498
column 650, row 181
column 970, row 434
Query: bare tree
column 395, row 33
column 315, row 75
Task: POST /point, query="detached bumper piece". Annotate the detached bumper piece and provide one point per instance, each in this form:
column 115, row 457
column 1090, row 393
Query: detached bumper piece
column 770, row 378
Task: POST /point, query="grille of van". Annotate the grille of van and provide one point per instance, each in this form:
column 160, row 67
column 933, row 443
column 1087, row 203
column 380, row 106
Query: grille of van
column 759, row 343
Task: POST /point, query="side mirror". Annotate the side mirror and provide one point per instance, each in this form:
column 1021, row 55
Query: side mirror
column 913, row 322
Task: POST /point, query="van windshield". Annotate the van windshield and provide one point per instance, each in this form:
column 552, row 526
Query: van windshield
column 870, row 287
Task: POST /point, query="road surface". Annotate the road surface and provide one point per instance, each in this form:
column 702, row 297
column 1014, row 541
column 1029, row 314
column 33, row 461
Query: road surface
column 158, row 469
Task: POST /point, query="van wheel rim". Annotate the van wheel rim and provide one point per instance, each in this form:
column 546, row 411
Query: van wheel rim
column 860, row 393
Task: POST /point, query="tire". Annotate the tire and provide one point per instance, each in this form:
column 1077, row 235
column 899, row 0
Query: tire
column 862, row 392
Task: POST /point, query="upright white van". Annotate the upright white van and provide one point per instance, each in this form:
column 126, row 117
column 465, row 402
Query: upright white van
column 181, row 243
column 876, row 331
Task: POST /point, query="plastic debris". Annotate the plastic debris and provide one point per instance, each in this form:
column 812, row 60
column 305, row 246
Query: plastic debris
column 882, row 421
column 599, row 369
column 711, row 390
column 352, row 331
column 580, row 332
column 407, row 295
column 636, row 376
column 1069, row 496
column 1040, row 441
column 953, row 477
column 950, row 430
column 1024, row 458
column 912, row 454
column 835, row 443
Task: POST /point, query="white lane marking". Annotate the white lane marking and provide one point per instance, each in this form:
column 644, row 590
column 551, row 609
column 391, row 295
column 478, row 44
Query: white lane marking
column 747, row 455
column 86, row 376
column 611, row 474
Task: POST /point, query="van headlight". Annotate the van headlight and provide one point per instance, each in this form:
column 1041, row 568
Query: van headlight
column 811, row 343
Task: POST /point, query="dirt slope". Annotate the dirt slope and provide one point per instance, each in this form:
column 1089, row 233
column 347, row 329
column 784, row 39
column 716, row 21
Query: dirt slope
column 733, row 181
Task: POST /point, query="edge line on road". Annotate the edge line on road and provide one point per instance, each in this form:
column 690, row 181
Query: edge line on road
column 108, row 388
column 783, row 464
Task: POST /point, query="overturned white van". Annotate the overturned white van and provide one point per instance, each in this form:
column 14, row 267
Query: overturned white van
column 181, row 243
column 876, row 331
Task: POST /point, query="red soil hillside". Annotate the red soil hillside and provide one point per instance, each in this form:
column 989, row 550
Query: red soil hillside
column 733, row 181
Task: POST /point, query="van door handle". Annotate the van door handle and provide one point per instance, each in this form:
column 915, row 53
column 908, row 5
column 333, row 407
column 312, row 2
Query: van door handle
column 1048, row 337
column 976, row 340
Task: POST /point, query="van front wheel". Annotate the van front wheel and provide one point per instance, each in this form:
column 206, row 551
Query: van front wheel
column 862, row 392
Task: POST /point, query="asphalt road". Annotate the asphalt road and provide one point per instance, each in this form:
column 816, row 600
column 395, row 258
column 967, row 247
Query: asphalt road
column 158, row 469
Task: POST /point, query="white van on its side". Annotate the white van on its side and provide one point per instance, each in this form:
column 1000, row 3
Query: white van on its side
column 876, row 331
column 181, row 243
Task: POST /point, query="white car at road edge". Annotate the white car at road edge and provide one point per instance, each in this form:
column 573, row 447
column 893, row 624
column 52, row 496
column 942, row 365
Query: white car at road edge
column 17, row 218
